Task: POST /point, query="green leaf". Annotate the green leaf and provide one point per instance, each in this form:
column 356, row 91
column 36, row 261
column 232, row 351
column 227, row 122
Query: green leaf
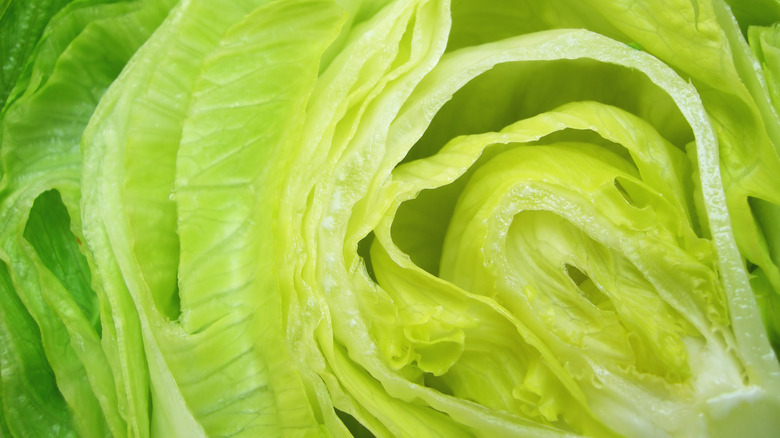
column 48, row 230
column 21, row 24
column 31, row 402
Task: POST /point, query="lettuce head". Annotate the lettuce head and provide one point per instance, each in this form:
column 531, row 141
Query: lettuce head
column 389, row 218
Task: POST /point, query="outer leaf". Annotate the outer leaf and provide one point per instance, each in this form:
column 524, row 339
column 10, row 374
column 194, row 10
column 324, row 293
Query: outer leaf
column 41, row 133
column 21, row 24
column 241, row 384
column 32, row 404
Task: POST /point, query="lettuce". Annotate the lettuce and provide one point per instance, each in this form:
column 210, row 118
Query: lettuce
column 389, row 218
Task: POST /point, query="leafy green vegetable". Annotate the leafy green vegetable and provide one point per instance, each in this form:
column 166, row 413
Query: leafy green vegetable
column 390, row 218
